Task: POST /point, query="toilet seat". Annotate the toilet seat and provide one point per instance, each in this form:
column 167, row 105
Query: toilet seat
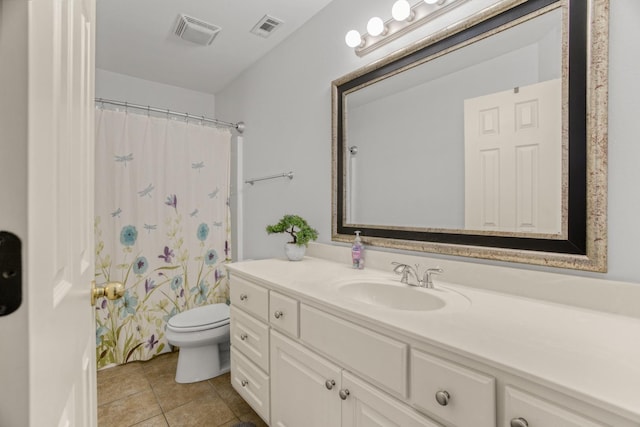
column 200, row 318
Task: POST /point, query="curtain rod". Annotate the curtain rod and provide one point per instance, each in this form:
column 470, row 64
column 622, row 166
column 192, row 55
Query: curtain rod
column 237, row 126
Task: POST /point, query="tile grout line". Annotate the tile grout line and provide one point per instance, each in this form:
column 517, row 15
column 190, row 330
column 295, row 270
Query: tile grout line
column 161, row 366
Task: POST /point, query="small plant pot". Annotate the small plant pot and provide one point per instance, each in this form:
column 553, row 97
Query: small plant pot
column 294, row 252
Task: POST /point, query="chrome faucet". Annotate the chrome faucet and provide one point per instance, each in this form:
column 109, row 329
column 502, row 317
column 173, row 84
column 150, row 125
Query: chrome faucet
column 406, row 270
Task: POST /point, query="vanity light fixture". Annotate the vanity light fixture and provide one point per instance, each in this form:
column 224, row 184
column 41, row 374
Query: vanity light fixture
column 353, row 38
column 405, row 18
column 401, row 11
column 376, row 27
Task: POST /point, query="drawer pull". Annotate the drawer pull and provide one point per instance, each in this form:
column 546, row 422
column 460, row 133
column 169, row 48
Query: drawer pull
column 243, row 297
column 244, row 337
column 442, row 397
column 519, row 422
column 278, row 314
column 329, row 384
column 244, row 383
column 344, row 393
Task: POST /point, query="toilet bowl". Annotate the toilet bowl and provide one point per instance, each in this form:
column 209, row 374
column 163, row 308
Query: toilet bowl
column 202, row 334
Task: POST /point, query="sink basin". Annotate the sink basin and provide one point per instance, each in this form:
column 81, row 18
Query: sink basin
column 393, row 295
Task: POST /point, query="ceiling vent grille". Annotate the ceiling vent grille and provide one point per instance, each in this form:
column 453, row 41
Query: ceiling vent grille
column 196, row 30
column 266, row 26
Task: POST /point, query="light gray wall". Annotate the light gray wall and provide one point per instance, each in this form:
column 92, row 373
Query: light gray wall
column 285, row 101
column 13, row 211
column 121, row 87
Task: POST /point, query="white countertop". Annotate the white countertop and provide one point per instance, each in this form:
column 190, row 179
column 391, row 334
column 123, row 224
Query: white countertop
column 591, row 355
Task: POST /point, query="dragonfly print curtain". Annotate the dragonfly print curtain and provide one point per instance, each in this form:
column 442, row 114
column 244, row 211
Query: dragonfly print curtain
column 161, row 227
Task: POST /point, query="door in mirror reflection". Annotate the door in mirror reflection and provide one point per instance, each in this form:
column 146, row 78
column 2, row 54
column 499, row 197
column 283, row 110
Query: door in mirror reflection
column 513, row 152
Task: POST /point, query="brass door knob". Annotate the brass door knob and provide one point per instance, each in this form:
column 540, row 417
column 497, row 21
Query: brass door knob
column 112, row 290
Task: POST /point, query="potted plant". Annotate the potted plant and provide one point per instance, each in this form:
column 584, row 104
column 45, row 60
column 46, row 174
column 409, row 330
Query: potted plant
column 301, row 234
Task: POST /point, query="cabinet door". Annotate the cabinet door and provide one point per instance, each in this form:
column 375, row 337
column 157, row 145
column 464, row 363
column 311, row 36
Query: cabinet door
column 300, row 394
column 366, row 406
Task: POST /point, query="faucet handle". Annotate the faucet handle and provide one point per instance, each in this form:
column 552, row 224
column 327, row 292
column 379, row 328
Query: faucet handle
column 399, row 267
column 428, row 273
column 403, row 269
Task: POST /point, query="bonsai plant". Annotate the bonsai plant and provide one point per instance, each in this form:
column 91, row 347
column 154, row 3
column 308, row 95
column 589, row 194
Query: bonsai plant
column 301, row 234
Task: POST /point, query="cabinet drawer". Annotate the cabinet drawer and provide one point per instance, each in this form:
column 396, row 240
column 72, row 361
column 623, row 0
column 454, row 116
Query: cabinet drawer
column 471, row 395
column 251, row 298
column 375, row 356
column 251, row 383
column 539, row 413
column 251, row 337
column 283, row 313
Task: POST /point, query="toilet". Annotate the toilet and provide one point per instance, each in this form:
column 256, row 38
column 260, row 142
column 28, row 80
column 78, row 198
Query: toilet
column 202, row 334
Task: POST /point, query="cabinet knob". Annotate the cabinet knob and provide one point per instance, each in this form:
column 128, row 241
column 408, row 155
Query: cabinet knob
column 329, row 384
column 442, row 397
column 243, row 297
column 244, row 337
column 519, row 422
column 278, row 314
column 244, row 383
column 344, row 393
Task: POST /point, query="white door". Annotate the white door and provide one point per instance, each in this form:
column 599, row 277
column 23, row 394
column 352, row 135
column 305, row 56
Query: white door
column 513, row 160
column 60, row 252
column 300, row 393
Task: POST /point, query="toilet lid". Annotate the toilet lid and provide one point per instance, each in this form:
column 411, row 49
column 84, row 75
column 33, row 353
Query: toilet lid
column 213, row 315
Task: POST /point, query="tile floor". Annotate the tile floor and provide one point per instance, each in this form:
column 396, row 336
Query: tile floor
column 144, row 394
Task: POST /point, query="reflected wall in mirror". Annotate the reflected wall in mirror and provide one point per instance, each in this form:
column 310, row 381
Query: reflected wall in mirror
column 486, row 140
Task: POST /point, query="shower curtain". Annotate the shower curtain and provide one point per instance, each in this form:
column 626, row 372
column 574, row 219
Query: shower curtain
column 161, row 227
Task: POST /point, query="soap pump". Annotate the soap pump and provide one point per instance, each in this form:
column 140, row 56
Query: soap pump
column 357, row 252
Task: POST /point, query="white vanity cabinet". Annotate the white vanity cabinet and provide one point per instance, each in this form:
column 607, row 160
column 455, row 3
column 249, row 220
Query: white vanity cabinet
column 289, row 384
column 308, row 390
column 301, row 360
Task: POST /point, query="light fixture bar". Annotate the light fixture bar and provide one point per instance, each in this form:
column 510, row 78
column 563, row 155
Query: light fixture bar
column 422, row 13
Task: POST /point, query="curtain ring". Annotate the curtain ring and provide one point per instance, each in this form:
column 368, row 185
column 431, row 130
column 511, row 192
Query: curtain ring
column 148, row 111
column 202, row 121
column 126, row 108
column 167, row 114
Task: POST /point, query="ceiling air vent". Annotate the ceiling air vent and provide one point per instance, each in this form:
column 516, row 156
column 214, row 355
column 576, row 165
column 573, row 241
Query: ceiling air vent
column 195, row 30
column 266, row 26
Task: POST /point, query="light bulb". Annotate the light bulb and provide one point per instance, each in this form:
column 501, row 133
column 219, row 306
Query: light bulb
column 431, row 1
column 353, row 38
column 375, row 26
column 401, row 10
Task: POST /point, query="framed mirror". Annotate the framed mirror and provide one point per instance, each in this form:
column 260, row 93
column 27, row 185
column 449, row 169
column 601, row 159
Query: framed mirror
column 487, row 139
